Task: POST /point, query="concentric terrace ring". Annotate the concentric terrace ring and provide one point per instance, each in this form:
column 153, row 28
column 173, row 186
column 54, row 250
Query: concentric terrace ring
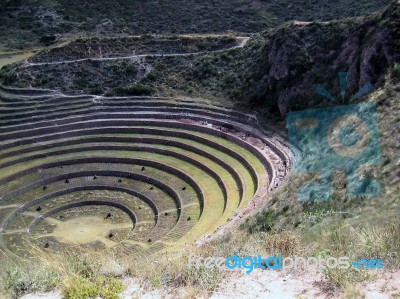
column 142, row 175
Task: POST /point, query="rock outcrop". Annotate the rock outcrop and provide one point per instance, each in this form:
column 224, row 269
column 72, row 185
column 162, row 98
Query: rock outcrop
column 297, row 57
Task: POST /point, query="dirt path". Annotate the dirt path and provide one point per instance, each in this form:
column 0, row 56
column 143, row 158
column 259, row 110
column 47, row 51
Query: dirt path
column 241, row 43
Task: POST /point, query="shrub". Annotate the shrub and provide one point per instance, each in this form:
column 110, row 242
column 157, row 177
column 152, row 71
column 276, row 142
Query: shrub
column 134, row 90
column 285, row 243
column 341, row 278
column 263, row 221
column 21, row 280
column 131, row 70
column 90, row 288
column 396, row 71
column 48, row 39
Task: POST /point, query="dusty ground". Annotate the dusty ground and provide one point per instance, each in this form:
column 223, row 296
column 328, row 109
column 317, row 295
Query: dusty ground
column 301, row 284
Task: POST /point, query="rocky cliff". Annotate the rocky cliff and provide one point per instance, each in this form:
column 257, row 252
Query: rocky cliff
column 296, row 57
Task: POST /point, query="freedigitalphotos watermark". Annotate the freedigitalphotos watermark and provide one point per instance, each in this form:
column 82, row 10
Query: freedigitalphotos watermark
column 341, row 137
column 249, row 263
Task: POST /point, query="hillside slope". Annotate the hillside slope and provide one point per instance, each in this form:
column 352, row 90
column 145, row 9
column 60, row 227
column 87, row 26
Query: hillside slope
column 278, row 69
column 31, row 22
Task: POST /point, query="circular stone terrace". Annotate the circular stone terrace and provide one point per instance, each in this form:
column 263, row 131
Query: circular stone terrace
column 139, row 175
